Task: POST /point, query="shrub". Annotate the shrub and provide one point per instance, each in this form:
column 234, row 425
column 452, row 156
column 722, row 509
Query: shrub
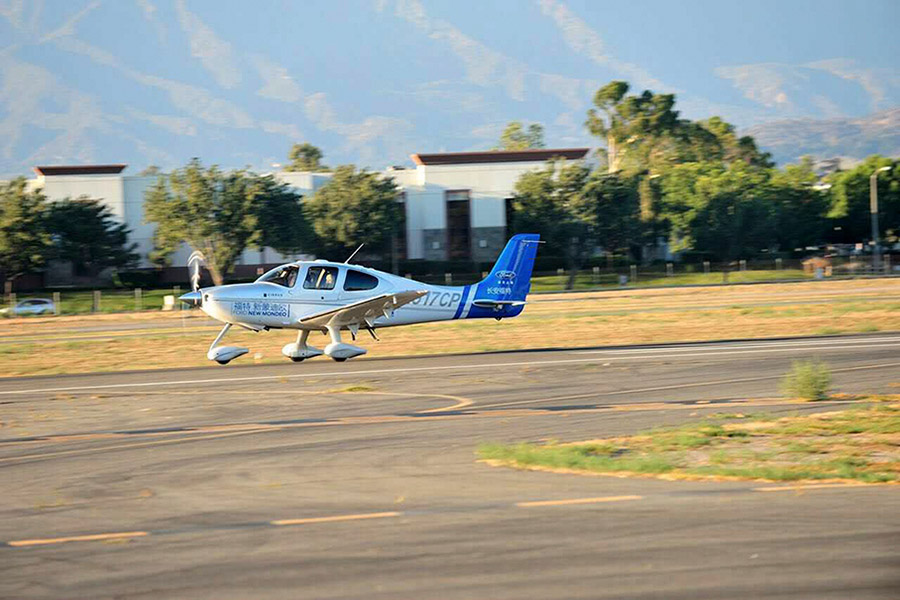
column 807, row 379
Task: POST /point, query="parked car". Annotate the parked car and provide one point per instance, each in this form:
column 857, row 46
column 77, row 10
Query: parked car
column 30, row 306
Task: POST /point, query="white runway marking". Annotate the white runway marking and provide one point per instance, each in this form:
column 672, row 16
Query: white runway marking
column 712, row 351
column 826, row 343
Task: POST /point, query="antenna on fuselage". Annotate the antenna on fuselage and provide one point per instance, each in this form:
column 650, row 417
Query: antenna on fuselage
column 349, row 258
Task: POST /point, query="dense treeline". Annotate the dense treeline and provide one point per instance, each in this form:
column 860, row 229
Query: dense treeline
column 696, row 185
column 223, row 213
column 34, row 231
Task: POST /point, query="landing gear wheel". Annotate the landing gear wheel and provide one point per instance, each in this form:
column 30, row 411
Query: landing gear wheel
column 297, row 358
column 223, row 362
column 339, row 359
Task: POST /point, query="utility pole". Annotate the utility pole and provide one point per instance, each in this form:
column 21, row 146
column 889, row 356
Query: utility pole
column 873, row 209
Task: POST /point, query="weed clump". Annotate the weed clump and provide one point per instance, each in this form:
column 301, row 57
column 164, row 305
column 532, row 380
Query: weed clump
column 807, row 379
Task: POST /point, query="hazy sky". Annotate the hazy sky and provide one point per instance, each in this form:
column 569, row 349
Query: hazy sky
column 236, row 83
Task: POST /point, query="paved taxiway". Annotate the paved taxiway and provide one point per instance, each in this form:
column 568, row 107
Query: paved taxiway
column 358, row 480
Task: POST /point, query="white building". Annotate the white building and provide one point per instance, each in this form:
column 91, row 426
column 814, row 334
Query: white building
column 456, row 204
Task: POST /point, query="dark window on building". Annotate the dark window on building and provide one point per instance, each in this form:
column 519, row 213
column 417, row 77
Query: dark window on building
column 320, row 278
column 510, row 208
column 357, row 281
column 459, row 245
column 399, row 235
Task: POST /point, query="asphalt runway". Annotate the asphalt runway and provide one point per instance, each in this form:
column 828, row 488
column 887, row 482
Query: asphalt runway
column 359, row 480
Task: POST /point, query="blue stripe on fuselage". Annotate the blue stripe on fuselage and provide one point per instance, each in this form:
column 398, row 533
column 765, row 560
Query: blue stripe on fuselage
column 462, row 302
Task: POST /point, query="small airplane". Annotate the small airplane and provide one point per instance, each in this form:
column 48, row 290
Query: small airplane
column 333, row 297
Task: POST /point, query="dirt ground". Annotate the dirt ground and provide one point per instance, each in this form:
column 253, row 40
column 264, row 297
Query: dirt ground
column 110, row 342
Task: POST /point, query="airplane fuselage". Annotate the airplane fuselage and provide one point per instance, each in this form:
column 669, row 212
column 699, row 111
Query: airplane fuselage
column 269, row 305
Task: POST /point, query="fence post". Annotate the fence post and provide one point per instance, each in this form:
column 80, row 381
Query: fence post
column 448, row 278
column 138, row 299
column 12, row 300
column 176, row 291
column 670, row 270
column 743, row 265
column 706, row 267
column 56, row 303
column 95, row 302
column 634, row 274
column 886, row 261
column 777, row 264
column 596, row 275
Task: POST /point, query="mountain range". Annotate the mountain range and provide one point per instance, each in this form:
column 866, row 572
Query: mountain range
column 847, row 138
column 371, row 81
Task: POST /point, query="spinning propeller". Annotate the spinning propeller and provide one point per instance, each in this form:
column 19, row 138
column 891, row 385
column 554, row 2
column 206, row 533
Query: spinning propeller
column 195, row 263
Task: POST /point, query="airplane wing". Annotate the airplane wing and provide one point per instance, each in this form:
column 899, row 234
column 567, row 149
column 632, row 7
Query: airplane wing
column 363, row 312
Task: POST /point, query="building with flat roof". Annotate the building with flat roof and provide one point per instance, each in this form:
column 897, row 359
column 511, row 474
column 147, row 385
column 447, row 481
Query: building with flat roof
column 456, row 204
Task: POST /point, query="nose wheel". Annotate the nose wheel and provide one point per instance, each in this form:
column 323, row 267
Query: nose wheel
column 224, row 354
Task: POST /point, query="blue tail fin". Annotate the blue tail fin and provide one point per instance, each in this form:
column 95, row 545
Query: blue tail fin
column 502, row 293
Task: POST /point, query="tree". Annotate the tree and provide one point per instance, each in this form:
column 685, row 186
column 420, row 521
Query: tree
column 551, row 201
column 801, row 207
column 219, row 214
column 150, row 171
column 281, row 216
column 85, row 232
column 850, row 206
column 354, row 207
column 731, row 148
column 24, row 241
column 305, row 157
column 514, row 137
column 631, row 126
column 615, row 205
column 723, row 211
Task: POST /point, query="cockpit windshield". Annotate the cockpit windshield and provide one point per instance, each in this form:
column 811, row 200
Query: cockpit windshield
column 285, row 275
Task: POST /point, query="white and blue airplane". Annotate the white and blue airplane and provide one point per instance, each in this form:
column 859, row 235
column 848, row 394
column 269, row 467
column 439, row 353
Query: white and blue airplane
column 333, row 297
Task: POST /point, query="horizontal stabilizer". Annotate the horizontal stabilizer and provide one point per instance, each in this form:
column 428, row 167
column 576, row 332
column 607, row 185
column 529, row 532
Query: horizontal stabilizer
column 486, row 303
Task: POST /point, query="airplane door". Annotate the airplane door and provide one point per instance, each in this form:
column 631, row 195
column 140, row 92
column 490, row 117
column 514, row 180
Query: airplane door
column 320, row 286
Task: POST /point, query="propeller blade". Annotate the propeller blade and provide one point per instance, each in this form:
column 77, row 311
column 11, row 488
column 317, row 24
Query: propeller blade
column 195, row 263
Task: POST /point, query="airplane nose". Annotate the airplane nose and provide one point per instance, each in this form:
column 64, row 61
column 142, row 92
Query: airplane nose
column 192, row 298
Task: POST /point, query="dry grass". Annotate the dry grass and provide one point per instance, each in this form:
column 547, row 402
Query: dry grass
column 861, row 444
column 580, row 319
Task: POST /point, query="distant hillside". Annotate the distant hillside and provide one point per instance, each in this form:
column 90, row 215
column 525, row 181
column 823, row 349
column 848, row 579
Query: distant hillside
column 848, row 138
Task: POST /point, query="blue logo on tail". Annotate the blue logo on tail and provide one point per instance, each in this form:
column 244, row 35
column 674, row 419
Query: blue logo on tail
column 509, row 281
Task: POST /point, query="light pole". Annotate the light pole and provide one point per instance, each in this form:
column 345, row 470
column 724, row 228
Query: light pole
column 873, row 208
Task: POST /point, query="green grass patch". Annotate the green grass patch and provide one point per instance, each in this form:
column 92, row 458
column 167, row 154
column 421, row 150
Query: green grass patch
column 808, row 380
column 858, row 444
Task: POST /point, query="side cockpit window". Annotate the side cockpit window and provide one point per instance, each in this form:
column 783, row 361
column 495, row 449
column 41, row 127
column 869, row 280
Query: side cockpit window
column 286, row 275
column 357, row 281
column 320, row 278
